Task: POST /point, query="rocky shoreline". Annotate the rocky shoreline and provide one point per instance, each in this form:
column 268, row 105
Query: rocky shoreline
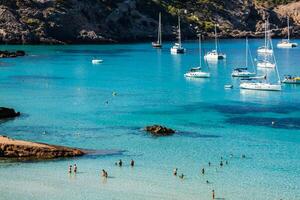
column 48, row 22
column 12, row 54
column 10, row 148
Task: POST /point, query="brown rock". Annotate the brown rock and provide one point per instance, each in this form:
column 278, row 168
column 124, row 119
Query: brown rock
column 158, row 130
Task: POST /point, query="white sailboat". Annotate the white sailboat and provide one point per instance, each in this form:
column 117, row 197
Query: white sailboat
column 158, row 43
column 286, row 43
column 243, row 71
column 266, row 48
column 177, row 48
column 197, row 72
column 214, row 54
column 262, row 84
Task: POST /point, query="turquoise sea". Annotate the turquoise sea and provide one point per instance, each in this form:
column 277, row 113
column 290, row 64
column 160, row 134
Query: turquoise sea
column 62, row 98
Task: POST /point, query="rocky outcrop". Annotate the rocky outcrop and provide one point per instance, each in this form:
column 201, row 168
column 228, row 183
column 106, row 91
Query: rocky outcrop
column 10, row 148
column 9, row 54
column 8, row 113
column 90, row 21
column 157, row 130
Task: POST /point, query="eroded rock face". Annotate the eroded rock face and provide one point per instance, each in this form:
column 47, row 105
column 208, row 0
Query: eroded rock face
column 10, row 148
column 158, row 130
column 91, row 21
column 8, row 113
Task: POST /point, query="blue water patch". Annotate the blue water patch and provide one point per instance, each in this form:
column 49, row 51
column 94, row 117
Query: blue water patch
column 35, row 78
column 280, row 123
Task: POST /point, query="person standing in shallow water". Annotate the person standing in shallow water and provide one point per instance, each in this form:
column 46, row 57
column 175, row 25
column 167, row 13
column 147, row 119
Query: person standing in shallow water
column 213, row 194
column 175, row 172
column 75, row 168
column 203, row 171
column 132, row 163
column 70, row 169
column 120, row 163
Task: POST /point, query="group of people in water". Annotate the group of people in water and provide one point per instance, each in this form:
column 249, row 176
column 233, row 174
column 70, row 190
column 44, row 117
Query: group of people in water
column 222, row 163
column 175, row 171
column 74, row 169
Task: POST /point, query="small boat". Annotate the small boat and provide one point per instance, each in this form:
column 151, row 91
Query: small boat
column 214, row 54
column 260, row 86
column 97, row 61
column 158, row 43
column 266, row 50
column 177, row 48
column 286, row 43
column 228, row 86
column 197, row 72
column 265, row 64
column 291, row 80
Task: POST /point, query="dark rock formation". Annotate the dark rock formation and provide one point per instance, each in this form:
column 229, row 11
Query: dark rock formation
column 8, row 113
column 10, row 148
column 106, row 21
column 158, row 130
column 9, row 54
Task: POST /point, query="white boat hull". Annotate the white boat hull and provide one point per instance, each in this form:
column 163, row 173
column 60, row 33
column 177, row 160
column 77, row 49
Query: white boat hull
column 197, row 74
column 261, row 86
column 177, row 50
column 242, row 74
column 96, row 61
column 265, row 51
column 265, row 65
column 287, row 45
column 214, row 56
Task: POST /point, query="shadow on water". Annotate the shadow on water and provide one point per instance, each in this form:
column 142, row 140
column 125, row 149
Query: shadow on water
column 280, row 123
column 36, row 78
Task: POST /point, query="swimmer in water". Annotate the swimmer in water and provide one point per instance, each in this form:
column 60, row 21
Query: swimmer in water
column 103, row 173
column 221, row 163
column 209, row 164
column 203, row 171
column 181, row 176
column 175, row 172
column 70, row 169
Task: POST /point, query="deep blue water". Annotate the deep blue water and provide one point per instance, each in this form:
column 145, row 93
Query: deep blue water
column 66, row 100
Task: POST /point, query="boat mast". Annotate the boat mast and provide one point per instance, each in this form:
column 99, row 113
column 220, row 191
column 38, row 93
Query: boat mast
column 266, row 34
column 159, row 30
column 288, row 23
column 200, row 53
column 179, row 32
column 246, row 52
column 216, row 41
column 277, row 72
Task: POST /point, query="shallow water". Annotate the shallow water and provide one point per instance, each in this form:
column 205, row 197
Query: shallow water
column 62, row 98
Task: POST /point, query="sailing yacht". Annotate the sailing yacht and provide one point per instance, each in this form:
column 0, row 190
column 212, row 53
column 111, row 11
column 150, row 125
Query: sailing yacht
column 286, row 43
column 266, row 48
column 158, row 43
column 268, row 52
column 264, row 83
column 243, row 71
column 177, row 48
column 214, row 54
column 197, row 72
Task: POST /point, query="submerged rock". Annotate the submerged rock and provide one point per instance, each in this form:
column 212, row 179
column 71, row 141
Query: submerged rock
column 9, row 54
column 8, row 113
column 158, row 130
column 10, row 148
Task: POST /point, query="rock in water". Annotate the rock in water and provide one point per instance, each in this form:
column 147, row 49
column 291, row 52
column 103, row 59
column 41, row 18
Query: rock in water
column 8, row 113
column 9, row 54
column 158, row 130
column 10, row 148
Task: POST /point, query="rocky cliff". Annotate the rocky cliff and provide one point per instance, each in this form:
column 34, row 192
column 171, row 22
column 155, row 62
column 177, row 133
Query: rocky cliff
column 105, row 21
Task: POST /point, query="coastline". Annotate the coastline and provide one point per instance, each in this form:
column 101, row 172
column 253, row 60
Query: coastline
column 11, row 148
